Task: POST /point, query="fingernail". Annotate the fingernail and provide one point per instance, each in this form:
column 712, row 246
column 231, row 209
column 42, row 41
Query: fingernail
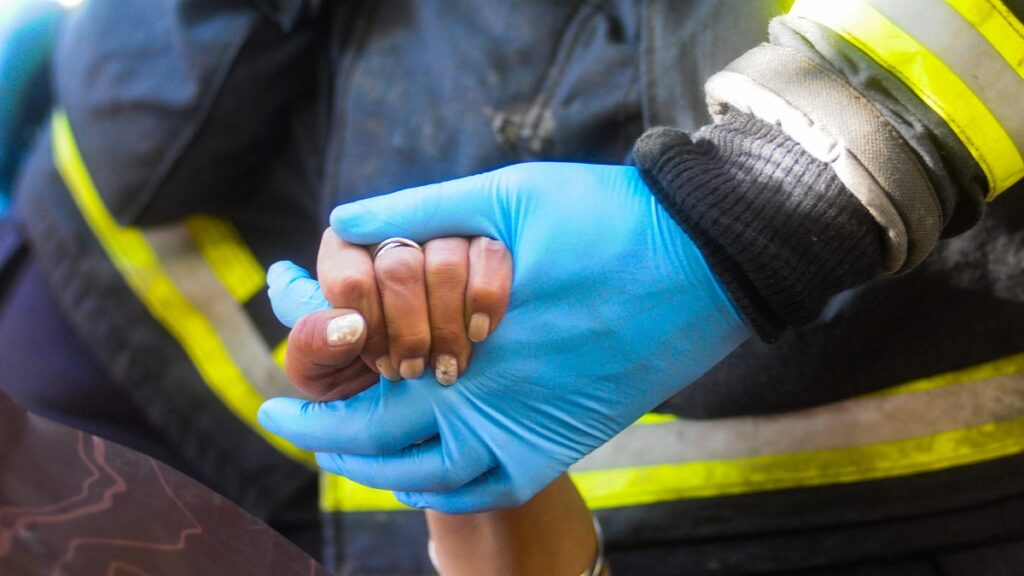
column 479, row 327
column 446, row 369
column 411, row 368
column 387, row 369
column 345, row 329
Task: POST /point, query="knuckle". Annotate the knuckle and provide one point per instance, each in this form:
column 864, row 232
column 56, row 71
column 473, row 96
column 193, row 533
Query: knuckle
column 415, row 343
column 490, row 249
column 486, row 293
column 399, row 269
column 447, row 268
column 447, row 334
column 347, row 287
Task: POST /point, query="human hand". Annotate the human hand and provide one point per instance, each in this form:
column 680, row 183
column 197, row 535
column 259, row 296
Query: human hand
column 613, row 310
column 396, row 310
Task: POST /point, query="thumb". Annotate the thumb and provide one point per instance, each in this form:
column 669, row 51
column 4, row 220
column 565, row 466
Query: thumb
column 323, row 355
column 470, row 206
column 293, row 294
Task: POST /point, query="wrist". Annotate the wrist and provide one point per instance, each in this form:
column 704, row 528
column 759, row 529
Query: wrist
column 554, row 533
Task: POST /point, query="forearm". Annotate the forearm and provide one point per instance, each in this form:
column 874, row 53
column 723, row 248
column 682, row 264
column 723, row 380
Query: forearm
column 551, row 534
column 843, row 149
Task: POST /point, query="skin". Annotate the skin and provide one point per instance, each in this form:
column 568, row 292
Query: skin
column 551, row 534
column 416, row 308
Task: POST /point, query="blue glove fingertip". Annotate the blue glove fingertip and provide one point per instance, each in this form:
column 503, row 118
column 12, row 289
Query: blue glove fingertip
column 283, row 274
column 293, row 294
column 273, row 412
column 410, row 499
column 344, row 217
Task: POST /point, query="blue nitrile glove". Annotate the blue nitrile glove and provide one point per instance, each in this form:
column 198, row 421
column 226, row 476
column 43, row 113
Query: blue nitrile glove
column 293, row 294
column 613, row 310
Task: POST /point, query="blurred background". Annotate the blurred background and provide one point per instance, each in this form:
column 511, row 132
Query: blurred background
column 27, row 32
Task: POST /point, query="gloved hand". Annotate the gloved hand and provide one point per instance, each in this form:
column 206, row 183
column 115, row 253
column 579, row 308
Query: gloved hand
column 613, row 310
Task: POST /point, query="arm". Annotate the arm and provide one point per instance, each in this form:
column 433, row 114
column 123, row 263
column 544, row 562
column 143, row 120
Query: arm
column 845, row 147
column 551, row 534
column 620, row 300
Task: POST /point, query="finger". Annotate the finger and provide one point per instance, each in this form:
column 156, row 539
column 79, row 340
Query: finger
column 493, row 490
column 469, row 206
column 293, row 294
column 426, row 466
column 323, row 355
column 347, row 279
column 490, row 286
column 385, row 418
column 485, row 493
column 447, row 271
column 403, row 295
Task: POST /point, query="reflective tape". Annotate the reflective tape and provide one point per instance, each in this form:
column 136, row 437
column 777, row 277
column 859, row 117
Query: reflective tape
column 974, row 60
column 900, row 431
column 279, row 352
column 924, row 69
column 204, row 289
column 133, row 256
column 634, row 486
column 228, row 256
column 993, row 20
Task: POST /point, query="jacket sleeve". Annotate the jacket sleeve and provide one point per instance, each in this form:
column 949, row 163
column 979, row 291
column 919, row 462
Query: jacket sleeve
column 845, row 147
column 176, row 105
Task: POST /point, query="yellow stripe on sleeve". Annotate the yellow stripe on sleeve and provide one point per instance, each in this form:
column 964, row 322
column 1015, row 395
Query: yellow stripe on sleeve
column 924, row 73
column 139, row 265
column 998, row 25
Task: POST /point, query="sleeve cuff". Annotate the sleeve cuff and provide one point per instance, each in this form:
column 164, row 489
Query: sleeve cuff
column 777, row 227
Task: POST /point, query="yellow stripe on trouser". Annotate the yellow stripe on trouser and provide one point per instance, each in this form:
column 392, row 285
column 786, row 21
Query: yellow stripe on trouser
column 130, row 252
column 924, row 73
column 637, row 485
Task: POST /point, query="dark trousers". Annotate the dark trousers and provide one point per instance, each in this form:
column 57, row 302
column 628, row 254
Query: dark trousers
column 990, row 559
column 45, row 367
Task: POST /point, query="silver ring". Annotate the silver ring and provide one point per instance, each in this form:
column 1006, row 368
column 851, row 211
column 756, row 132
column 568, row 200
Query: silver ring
column 395, row 242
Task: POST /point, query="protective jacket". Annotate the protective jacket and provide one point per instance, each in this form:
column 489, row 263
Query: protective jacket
column 204, row 140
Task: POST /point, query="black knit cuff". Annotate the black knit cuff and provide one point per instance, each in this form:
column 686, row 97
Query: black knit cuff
column 776, row 226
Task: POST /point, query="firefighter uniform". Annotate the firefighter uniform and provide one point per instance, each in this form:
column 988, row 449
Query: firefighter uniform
column 193, row 143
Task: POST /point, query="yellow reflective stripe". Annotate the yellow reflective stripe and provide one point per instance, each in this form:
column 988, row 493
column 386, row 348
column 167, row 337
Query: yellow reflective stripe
column 635, row 486
column 339, row 494
column 1001, row 367
column 630, row 486
column 279, row 352
column 656, row 418
column 998, row 25
column 690, row 480
column 130, row 252
column 929, row 78
column 227, row 255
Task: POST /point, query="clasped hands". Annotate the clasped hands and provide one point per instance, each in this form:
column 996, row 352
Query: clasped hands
column 611, row 310
column 390, row 315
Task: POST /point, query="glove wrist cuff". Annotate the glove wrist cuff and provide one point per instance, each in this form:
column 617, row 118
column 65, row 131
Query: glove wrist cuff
column 776, row 226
